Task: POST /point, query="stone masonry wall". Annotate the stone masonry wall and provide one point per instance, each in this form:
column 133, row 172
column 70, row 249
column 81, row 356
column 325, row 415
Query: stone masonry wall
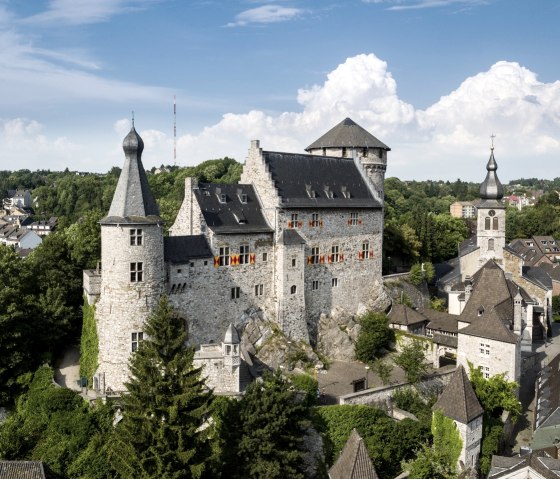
column 483, row 234
column 124, row 306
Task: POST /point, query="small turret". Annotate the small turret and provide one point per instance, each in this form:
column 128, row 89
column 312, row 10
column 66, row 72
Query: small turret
column 230, row 347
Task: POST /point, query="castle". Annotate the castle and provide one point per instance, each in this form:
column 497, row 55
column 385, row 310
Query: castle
column 300, row 235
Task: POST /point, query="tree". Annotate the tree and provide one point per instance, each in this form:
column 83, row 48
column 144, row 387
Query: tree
column 412, row 360
column 374, row 336
column 383, row 370
column 428, row 465
column 271, row 421
column 161, row 433
column 447, row 440
column 84, row 239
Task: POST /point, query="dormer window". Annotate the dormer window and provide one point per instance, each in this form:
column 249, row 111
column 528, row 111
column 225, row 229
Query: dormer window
column 328, row 192
column 543, row 242
column 242, row 196
column 344, row 152
column 310, row 191
column 345, row 192
column 240, row 217
column 221, row 196
column 481, row 311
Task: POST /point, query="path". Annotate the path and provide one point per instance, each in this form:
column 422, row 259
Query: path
column 67, row 373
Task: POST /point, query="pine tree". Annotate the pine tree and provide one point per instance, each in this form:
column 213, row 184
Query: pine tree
column 271, row 420
column 160, row 435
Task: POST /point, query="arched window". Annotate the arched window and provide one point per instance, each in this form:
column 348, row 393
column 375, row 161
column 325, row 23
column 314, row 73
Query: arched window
column 487, row 223
column 293, row 289
column 490, row 245
column 495, row 223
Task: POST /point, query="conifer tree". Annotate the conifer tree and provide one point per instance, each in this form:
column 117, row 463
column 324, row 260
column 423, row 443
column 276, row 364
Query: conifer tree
column 160, row 435
column 271, row 421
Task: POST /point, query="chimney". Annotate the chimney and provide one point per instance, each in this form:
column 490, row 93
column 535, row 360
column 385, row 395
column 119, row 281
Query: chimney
column 517, row 313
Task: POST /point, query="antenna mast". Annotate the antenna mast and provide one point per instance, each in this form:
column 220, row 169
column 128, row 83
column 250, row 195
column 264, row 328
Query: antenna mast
column 174, row 132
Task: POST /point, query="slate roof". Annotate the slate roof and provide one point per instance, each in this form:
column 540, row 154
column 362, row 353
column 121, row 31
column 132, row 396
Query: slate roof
column 553, row 270
column 402, row 314
column 296, row 175
column 181, row 249
column 354, row 461
column 458, row 400
column 547, row 414
column 441, row 321
column 491, row 326
column 491, row 190
column 232, row 335
column 530, row 255
column 22, row 470
column 546, row 467
column 290, row 237
column 133, row 201
column 468, row 246
column 537, row 276
column 445, row 340
column 347, row 134
column 234, row 216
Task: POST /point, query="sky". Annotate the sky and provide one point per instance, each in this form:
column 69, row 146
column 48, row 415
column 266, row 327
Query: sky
column 432, row 79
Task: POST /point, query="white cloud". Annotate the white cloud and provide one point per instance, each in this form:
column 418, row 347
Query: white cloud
column 449, row 139
column 397, row 5
column 74, row 12
column 266, row 14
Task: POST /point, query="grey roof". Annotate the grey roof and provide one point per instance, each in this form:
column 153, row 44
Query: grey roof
column 491, row 190
column 296, row 175
column 402, row 314
column 468, row 246
column 290, row 237
column 537, row 276
column 490, row 326
column 232, row 335
column 553, row 270
column 547, row 401
column 441, row 321
column 354, row 461
column 133, row 201
column 458, row 400
column 22, row 470
column 235, row 215
column 445, row 340
column 547, row 467
column 347, row 134
column 181, row 249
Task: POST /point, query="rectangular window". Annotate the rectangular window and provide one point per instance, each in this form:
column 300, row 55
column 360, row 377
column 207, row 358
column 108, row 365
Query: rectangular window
column 294, row 262
column 293, row 223
column 494, row 223
column 137, row 338
column 314, row 255
column 244, row 254
column 334, row 282
column 265, row 257
column 224, row 256
column 235, row 292
column 135, row 237
column 259, row 289
column 365, row 250
column 487, row 223
column 354, row 219
column 314, row 219
column 335, row 258
column 315, row 285
column 136, row 272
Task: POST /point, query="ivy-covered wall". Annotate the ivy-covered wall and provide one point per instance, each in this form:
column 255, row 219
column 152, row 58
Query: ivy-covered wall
column 88, row 343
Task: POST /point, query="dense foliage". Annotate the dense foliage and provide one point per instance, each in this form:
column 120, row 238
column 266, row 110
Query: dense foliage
column 412, row 360
column 89, row 343
column 388, row 442
column 375, row 336
column 161, row 434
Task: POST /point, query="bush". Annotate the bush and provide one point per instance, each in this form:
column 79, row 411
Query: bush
column 374, row 336
column 412, row 360
column 307, row 385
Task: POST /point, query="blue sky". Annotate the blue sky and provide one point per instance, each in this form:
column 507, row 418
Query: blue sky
column 430, row 78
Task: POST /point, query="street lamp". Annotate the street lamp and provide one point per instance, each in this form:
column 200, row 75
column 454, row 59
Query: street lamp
column 367, row 377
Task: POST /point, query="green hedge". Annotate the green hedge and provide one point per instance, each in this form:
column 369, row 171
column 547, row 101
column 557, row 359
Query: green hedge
column 89, row 346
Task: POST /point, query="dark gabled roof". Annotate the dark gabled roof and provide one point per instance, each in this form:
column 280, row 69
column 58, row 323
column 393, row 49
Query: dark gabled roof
column 240, row 214
column 441, row 321
column 537, row 276
column 290, row 237
column 133, row 201
column 490, row 288
column 445, row 340
column 181, row 249
column 546, row 467
column 402, row 314
column 468, row 246
column 490, row 326
column 22, row 470
column 347, row 134
column 553, row 270
column 354, row 461
column 232, row 335
column 528, row 254
column 295, row 176
column 458, row 400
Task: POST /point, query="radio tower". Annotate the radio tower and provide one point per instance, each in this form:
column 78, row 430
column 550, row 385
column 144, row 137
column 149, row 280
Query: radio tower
column 174, row 132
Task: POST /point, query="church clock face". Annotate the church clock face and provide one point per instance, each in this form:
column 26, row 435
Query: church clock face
column 491, row 213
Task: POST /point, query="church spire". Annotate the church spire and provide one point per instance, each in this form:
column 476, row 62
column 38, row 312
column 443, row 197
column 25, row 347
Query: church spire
column 491, row 190
column 133, row 198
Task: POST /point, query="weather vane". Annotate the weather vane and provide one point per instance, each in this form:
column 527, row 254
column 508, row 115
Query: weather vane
column 492, row 136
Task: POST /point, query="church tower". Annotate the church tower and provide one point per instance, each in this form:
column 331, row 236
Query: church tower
column 132, row 269
column 348, row 139
column 491, row 223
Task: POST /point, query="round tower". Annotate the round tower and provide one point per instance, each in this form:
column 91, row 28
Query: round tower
column 491, row 219
column 132, row 274
column 350, row 140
